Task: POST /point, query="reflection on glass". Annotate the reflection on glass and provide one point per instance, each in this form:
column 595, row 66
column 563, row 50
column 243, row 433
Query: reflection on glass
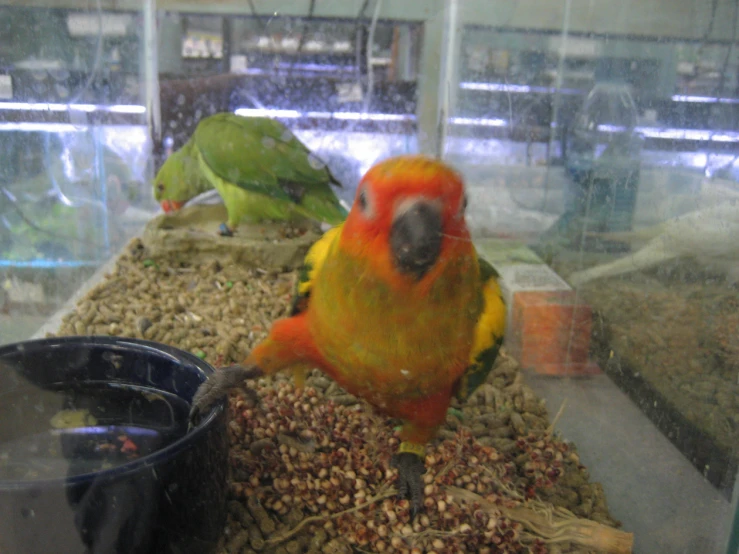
column 599, row 149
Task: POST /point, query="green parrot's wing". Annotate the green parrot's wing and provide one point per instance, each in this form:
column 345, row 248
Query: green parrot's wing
column 263, row 156
column 313, row 261
column 304, row 165
column 488, row 333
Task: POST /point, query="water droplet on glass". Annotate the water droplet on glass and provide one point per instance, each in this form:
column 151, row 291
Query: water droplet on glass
column 62, row 91
column 315, row 163
column 286, row 136
column 59, row 75
column 181, row 100
column 268, row 142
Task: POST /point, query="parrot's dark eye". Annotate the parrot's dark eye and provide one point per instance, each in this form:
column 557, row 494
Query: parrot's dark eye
column 364, row 203
column 160, row 187
column 463, row 206
column 362, row 200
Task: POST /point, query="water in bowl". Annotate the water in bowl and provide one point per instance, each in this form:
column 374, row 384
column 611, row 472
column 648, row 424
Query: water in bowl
column 65, row 431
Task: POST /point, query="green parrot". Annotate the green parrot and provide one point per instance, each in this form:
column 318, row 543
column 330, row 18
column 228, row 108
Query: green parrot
column 260, row 169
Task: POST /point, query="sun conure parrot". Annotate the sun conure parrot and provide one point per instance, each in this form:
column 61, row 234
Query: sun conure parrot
column 394, row 304
column 260, row 169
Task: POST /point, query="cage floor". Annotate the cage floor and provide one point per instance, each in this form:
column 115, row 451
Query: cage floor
column 651, row 487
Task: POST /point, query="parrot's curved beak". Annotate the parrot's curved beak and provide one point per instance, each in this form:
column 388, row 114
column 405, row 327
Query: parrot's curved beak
column 171, row 205
column 415, row 238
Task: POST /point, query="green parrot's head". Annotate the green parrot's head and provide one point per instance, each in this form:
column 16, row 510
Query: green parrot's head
column 171, row 188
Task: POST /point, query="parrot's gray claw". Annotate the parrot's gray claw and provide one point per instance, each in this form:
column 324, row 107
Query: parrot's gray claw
column 225, row 231
column 218, row 384
column 410, row 468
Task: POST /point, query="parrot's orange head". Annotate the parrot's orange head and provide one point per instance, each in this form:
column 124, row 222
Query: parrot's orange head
column 409, row 215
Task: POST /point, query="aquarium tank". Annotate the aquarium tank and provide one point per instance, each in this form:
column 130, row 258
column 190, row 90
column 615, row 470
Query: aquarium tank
column 167, row 166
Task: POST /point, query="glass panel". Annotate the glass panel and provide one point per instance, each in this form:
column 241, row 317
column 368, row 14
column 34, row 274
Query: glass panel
column 598, row 146
column 75, row 153
column 605, row 160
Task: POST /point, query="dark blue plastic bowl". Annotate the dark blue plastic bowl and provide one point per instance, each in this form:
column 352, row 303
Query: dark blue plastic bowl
column 172, row 500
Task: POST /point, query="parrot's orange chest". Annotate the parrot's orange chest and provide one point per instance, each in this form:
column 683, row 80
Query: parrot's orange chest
column 389, row 344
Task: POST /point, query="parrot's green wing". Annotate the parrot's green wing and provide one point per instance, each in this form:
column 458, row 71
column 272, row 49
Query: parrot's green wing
column 263, row 156
column 488, row 333
column 313, row 261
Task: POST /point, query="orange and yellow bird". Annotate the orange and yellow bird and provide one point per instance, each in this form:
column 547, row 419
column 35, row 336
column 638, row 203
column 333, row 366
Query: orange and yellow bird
column 394, row 304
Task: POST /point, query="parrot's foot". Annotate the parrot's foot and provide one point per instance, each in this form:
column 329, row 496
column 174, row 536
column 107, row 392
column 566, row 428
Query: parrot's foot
column 223, row 380
column 410, row 468
column 225, row 231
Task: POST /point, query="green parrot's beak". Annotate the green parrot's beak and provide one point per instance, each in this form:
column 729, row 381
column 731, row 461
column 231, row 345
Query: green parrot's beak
column 171, row 205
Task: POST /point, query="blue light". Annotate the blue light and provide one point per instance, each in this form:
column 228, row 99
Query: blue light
column 505, row 87
column 47, row 264
column 44, row 127
column 479, row 121
column 689, row 134
column 294, row 114
column 266, row 112
column 651, row 132
column 59, row 107
column 123, row 108
column 524, row 89
column 606, row 128
column 703, row 99
column 373, row 116
column 319, row 115
column 703, row 135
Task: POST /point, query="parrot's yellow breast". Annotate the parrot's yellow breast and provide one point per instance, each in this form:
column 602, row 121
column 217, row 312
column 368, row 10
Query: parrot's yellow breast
column 382, row 341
